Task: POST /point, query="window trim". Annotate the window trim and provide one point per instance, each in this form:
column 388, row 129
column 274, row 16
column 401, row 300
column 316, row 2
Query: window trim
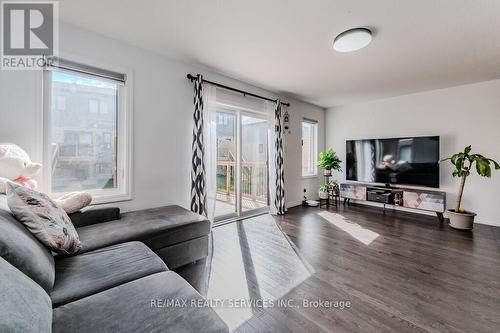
column 314, row 153
column 124, row 130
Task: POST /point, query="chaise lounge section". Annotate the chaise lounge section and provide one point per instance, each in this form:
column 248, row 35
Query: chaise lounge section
column 110, row 288
column 176, row 235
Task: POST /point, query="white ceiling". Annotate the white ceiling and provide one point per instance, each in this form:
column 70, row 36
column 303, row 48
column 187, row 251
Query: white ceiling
column 286, row 45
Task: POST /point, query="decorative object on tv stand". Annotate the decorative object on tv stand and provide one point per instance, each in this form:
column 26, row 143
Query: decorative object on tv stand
column 463, row 163
column 328, row 161
column 398, row 199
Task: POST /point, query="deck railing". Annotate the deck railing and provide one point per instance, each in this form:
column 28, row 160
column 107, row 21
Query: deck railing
column 253, row 179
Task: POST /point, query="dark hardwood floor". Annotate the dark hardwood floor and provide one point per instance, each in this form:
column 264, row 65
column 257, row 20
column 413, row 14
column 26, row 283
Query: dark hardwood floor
column 401, row 272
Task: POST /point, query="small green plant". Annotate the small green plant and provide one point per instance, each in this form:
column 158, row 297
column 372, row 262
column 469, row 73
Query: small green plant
column 328, row 160
column 324, row 188
column 334, row 186
column 463, row 163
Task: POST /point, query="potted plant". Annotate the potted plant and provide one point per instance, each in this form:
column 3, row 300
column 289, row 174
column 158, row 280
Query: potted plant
column 323, row 191
column 334, row 186
column 329, row 160
column 463, row 163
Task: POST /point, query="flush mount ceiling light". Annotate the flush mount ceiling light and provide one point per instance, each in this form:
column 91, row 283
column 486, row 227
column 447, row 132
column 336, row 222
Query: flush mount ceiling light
column 352, row 40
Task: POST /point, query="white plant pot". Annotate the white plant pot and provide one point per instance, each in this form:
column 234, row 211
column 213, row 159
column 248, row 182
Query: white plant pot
column 323, row 195
column 327, row 172
column 462, row 221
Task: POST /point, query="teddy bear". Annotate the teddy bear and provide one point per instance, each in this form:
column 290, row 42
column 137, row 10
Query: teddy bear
column 16, row 166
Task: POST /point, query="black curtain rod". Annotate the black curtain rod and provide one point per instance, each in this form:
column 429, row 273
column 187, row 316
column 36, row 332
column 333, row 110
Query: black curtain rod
column 245, row 93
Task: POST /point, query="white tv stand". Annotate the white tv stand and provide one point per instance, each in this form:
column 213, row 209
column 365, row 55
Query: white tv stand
column 418, row 199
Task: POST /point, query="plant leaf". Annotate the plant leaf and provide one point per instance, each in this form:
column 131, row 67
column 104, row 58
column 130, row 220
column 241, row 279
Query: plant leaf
column 467, row 150
column 497, row 166
column 483, row 167
column 329, row 160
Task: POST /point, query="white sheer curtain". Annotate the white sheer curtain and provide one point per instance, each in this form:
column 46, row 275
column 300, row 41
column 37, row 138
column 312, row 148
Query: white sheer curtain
column 210, row 145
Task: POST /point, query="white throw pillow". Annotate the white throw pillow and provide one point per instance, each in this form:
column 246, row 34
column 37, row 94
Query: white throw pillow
column 43, row 218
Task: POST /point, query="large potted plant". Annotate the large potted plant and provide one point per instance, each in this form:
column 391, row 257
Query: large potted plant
column 463, row 163
column 328, row 161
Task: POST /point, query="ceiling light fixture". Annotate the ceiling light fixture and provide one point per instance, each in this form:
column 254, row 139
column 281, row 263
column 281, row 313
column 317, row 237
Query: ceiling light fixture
column 352, row 40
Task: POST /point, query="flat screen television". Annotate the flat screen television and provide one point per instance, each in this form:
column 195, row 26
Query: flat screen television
column 405, row 161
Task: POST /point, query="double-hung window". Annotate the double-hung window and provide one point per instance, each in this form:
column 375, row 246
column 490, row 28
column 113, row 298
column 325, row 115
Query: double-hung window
column 309, row 148
column 86, row 131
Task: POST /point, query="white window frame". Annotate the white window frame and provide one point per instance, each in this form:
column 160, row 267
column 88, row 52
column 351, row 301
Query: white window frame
column 314, row 150
column 123, row 192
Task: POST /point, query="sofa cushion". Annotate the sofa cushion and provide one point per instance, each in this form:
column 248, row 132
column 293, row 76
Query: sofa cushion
column 157, row 228
column 92, row 272
column 47, row 221
column 19, row 247
column 130, row 308
column 25, row 306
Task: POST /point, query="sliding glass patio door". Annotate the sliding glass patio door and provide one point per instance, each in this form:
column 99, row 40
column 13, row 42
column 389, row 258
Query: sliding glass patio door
column 227, row 156
column 254, row 168
column 242, row 164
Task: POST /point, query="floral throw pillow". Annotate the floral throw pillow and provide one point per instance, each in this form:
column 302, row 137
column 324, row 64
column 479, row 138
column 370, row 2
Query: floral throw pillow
column 43, row 218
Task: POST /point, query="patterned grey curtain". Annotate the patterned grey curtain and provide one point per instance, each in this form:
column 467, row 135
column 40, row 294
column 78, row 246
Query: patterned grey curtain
column 279, row 200
column 198, row 176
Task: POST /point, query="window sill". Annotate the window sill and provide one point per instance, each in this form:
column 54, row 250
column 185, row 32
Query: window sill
column 107, row 199
column 102, row 198
column 309, row 176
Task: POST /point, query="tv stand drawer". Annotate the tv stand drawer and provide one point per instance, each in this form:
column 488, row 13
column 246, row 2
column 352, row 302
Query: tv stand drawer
column 431, row 201
column 353, row 191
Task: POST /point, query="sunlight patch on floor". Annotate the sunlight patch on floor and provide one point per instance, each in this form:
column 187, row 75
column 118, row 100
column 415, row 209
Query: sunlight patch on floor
column 248, row 269
column 361, row 234
column 231, row 287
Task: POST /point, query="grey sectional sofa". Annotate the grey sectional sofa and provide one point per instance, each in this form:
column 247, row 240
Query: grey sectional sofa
column 112, row 286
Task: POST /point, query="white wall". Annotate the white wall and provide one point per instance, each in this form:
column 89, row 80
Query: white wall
column 462, row 115
column 294, row 182
column 162, row 118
